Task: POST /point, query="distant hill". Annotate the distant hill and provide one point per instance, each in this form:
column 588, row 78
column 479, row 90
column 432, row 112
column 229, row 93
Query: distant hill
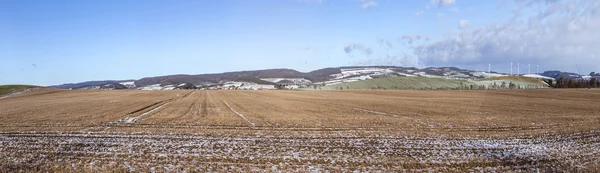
column 557, row 74
column 87, row 84
column 222, row 77
column 325, row 76
column 402, row 83
column 399, row 82
column 254, row 80
column 8, row 89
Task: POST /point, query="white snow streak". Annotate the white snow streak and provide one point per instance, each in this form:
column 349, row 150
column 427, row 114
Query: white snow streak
column 134, row 119
column 239, row 114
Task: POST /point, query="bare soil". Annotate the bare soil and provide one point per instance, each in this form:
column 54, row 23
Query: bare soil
column 545, row 130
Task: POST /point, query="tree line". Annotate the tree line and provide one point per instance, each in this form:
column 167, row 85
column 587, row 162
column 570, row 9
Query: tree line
column 563, row 82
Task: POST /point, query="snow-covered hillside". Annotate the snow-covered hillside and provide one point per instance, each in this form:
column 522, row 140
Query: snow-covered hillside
column 537, row 76
column 157, row 87
column 130, row 84
column 358, row 74
column 297, row 81
column 289, row 79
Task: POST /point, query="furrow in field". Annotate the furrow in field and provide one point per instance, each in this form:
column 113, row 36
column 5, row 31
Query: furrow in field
column 149, row 110
column 380, row 105
column 279, row 111
column 383, row 153
column 239, row 114
column 200, row 109
column 75, row 108
column 174, row 112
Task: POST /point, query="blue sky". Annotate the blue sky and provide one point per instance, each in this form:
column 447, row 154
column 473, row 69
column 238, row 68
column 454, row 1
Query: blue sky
column 60, row 41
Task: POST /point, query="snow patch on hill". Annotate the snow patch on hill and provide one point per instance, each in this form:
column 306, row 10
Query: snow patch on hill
column 537, row 76
column 157, row 87
column 130, row 84
column 350, row 72
column 297, row 81
column 487, row 74
column 357, row 74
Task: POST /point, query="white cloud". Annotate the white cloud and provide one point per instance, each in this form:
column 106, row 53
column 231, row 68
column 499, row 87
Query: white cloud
column 464, row 23
column 357, row 47
column 441, row 15
column 306, row 48
column 367, row 4
column 560, row 35
column 441, row 3
column 409, row 39
column 454, row 10
column 385, row 42
column 419, row 13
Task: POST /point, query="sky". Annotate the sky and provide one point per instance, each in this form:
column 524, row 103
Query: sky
column 66, row 41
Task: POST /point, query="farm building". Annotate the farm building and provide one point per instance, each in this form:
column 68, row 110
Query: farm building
column 287, row 84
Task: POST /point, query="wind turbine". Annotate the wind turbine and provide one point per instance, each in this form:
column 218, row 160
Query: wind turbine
column 518, row 69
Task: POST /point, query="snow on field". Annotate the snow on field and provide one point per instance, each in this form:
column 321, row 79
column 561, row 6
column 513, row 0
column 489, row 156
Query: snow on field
column 348, row 72
column 239, row 114
column 423, row 74
column 257, row 87
column 455, row 74
column 135, row 119
column 294, row 80
column 152, row 87
column 351, row 79
column 357, row 74
column 168, row 87
column 537, row 76
column 405, row 74
column 157, row 87
column 487, row 75
column 130, row 84
column 236, row 84
column 344, row 152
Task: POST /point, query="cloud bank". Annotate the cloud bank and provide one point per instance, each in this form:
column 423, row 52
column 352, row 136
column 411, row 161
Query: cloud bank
column 441, row 3
column 357, row 47
column 564, row 33
column 464, row 23
column 367, row 4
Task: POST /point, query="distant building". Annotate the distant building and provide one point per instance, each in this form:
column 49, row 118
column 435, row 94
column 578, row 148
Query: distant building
column 287, row 84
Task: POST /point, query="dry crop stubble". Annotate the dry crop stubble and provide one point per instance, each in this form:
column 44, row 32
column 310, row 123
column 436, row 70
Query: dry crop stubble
column 447, row 131
column 50, row 109
column 280, row 111
column 486, row 111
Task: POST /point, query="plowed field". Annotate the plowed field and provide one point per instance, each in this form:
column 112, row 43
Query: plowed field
column 299, row 131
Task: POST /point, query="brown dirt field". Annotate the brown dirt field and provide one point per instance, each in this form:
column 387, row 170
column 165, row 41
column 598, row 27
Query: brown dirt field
column 51, row 130
column 49, row 108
